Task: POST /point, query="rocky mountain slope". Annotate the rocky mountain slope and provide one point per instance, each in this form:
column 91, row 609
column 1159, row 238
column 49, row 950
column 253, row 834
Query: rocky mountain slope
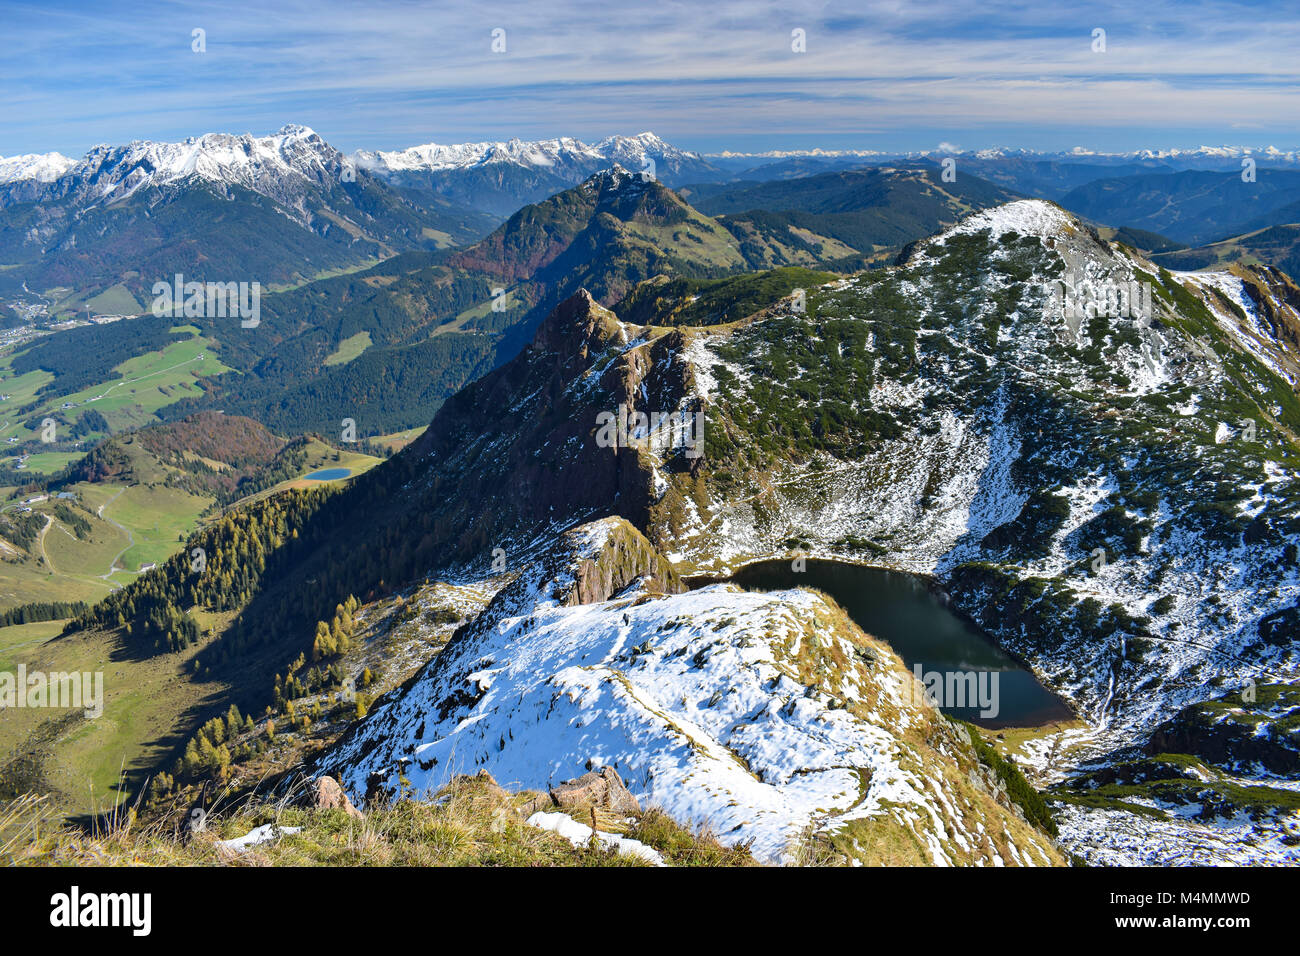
column 1107, row 487
column 212, row 208
column 769, row 717
column 951, row 415
column 1114, row 497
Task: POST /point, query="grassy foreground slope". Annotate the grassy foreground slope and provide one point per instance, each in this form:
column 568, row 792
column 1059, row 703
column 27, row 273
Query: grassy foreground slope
column 472, row 823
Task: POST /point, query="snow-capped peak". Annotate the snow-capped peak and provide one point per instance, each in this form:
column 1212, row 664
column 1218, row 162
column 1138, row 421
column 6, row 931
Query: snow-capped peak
column 561, row 155
column 35, row 167
column 645, row 142
column 1029, row 217
column 436, row 156
column 215, row 155
column 278, row 165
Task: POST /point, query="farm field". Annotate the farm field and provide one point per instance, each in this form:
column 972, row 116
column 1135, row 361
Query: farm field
column 398, row 440
column 158, row 520
column 148, row 383
column 131, row 526
column 349, row 349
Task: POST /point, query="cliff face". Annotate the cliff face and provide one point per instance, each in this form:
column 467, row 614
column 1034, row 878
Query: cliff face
column 625, row 556
column 516, row 453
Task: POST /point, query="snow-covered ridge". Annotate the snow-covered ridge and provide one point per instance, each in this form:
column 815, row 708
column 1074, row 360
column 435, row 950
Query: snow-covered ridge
column 437, row 156
column 293, row 152
column 559, row 153
column 281, row 166
column 299, row 152
column 1028, row 217
column 34, row 167
column 707, row 705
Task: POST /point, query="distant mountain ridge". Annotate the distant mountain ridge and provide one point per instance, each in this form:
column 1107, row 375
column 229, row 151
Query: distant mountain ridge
column 856, row 212
column 1197, row 154
column 557, row 152
column 277, row 209
column 499, row 178
column 1192, row 206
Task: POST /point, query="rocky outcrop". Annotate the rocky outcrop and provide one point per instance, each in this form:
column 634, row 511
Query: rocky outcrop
column 1238, row 734
column 602, row 790
column 326, row 794
column 624, row 556
column 531, row 428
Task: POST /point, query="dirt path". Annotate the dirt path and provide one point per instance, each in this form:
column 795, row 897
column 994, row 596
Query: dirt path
column 130, row 538
column 40, row 540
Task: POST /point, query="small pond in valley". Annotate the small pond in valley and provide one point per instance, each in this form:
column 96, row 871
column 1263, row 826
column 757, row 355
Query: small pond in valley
column 328, row 474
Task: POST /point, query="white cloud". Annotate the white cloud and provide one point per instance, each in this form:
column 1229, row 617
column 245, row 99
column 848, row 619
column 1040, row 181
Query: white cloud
column 386, row 75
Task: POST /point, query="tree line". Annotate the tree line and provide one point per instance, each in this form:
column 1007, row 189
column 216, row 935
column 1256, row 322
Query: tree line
column 42, row 611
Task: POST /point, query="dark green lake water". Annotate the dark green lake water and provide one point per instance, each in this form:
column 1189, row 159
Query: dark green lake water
column 900, row 609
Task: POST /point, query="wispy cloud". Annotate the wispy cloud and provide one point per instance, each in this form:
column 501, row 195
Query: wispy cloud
column 879, row 75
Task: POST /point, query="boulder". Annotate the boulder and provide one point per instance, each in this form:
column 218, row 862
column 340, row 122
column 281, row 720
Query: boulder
column 538, row 804
column 602, row 789
column 326, row 794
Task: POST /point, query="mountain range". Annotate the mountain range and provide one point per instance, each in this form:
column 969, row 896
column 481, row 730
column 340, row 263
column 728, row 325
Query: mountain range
column 1031, row 410
column 279, row 209
column 1112, row 496
column 386, row 345
column 283, row 209
column 425, row 321
column 498, row 178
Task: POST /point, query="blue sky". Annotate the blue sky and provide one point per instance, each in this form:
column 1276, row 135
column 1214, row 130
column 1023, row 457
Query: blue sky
column 705, row 76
